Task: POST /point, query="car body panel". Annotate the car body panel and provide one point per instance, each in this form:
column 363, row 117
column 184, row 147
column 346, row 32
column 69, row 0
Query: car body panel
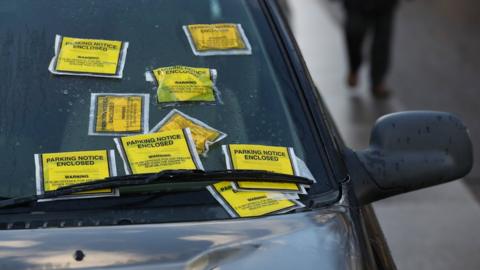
column 322, row 239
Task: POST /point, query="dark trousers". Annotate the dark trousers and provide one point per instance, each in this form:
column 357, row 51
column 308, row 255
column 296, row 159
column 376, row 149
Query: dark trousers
column 379, row 23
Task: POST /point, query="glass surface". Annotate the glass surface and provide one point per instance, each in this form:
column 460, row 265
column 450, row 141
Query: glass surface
column 45, row 113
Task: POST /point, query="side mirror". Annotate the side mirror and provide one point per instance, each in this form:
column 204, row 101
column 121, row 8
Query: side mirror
column 409, row 151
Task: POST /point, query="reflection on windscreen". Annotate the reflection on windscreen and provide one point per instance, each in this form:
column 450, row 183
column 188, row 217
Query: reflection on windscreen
column 44, row 111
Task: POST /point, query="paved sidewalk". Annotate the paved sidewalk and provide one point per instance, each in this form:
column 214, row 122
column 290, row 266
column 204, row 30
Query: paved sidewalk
column 434, row 228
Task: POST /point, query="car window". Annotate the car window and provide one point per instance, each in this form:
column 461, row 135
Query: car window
column 45, row 113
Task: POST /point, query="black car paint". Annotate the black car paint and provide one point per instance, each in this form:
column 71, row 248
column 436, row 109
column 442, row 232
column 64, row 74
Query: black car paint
column 322, row 239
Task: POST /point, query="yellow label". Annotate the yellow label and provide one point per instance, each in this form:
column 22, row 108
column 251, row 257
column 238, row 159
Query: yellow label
column 200, row 134
column 251, row 204
column 69, row 168
column 216, row 36
column 267, row 186
column 179, row 83
column 259, row 157
column 119, row 114
column 152, row 153
column 89, row 56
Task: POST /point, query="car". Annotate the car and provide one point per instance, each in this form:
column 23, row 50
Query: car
column 249, row 172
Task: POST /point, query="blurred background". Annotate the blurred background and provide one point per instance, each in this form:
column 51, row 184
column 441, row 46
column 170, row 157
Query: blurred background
column 435, row 65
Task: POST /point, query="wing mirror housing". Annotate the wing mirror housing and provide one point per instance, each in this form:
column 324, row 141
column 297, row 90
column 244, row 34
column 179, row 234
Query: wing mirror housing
column 409, row 151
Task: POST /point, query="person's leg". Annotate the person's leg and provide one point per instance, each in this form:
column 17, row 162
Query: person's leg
column 355, row 30
column 380, row 51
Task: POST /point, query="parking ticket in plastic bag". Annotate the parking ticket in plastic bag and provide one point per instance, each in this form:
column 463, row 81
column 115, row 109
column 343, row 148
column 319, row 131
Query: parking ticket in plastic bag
column 118, row 114
column 217, row 39
column 88, row 57
column 55, row 170
column 251, row 203
column 156, row 152
column 181, row 84
column 260, row 157
column 203, row 135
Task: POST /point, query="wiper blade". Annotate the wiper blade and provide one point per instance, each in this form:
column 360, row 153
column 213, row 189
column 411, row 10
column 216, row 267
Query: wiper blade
column 164, row 177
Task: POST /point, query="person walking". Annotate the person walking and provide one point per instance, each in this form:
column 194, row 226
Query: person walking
column 364, row 17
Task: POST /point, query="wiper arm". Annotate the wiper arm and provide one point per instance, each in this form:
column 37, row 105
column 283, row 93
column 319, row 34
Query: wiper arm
column 164, row 177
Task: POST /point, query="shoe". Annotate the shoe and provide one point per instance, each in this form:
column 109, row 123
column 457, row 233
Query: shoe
column 352, row 79
column 380, row 91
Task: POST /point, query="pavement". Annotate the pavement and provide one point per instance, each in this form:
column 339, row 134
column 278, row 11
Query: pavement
column 435, row 66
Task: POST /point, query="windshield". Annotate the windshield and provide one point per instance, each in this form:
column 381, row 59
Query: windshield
column 41, row 112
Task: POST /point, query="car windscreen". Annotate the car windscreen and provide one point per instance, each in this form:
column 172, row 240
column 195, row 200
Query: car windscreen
column 256, row 100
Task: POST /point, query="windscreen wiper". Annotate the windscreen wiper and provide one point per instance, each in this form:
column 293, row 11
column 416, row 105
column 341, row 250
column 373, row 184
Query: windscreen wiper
column 164, row 177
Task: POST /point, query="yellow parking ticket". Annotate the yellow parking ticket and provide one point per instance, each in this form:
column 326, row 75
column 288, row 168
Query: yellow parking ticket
column 260, row 157
column 56, row 170
column 118, row 114
column 88, row 57
column 251, row 203
column 156, row 152
column 217, row 39
column 185, row 84
column 203, row 135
